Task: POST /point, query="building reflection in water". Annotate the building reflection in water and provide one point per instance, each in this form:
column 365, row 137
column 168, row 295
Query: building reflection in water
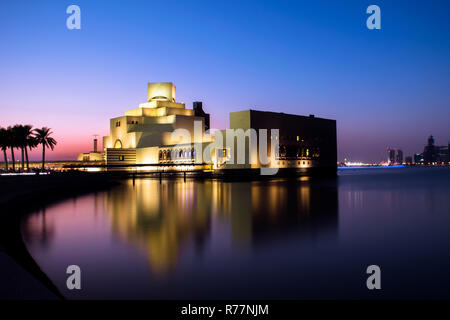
column 163, row 219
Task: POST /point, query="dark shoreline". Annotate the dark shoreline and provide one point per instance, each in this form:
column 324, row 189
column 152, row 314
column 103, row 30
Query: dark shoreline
column 20, row 196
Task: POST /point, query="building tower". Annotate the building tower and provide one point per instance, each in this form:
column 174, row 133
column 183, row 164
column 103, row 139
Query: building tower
column 391, row 156
column 95, row 142
column 198, row 111
column 399, row 156
column 429, row 152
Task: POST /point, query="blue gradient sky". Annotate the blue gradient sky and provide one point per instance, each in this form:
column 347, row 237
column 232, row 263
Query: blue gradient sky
column 386, row 88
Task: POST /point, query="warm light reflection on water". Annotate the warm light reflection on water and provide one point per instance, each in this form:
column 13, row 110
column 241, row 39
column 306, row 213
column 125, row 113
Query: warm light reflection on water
column 299, row 238
column 162, row 218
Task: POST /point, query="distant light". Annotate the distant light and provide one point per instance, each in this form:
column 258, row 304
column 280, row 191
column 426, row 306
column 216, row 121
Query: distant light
column 370, row 167
column 23, row 174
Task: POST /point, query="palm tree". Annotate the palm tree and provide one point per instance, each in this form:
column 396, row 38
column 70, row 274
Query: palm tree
column 4, row 143
column 24, row 134
column 12, row 142
column 31, row 143
column 43, row 137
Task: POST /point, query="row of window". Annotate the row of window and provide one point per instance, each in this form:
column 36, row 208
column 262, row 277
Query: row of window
column 294, row 151
column 300, row 138
column 131, row 122
column 297, row 138
column 304, row 163
column 176, row 154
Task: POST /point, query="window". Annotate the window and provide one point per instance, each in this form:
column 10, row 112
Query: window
column 224, row 153
column 298, row 138
column 121, row 158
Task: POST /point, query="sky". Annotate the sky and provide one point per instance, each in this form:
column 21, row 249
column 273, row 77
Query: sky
column 386, row 88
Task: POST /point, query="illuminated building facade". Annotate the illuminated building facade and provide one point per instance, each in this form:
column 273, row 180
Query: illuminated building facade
column 146, row 136
column 303, row 143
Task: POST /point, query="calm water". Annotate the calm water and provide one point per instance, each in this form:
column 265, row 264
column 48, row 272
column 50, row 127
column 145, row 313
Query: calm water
column 277, row 239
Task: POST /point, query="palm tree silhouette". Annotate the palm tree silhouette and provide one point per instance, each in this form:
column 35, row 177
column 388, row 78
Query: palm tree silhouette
column 43, row 137
column 4, row 144
column 26, row 138
column 12, row 141
column 31, row 144
column 23, row 134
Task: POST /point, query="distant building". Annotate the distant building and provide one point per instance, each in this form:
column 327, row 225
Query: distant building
column 442, row 154
column 94, row 155
column 429, row 152
column 408, row 160
column 418, row 158
column 391, row 156
column 399, row 158
column 433, row 154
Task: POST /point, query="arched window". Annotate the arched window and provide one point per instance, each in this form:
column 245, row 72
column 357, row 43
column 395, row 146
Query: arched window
column 118, row 144
column 160, row 155
column 180, row 154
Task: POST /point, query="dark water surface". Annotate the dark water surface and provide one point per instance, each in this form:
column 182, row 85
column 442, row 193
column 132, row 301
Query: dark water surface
column 273, row 239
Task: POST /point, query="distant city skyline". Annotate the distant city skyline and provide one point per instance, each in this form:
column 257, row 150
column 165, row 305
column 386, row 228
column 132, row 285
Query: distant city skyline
column 386, row 88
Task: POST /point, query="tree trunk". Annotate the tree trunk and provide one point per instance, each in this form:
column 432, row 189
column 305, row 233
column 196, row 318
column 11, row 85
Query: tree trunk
column 13, row 160
column 23, row 159
column 6, row 159
column 26, row 157
column 43, row 157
